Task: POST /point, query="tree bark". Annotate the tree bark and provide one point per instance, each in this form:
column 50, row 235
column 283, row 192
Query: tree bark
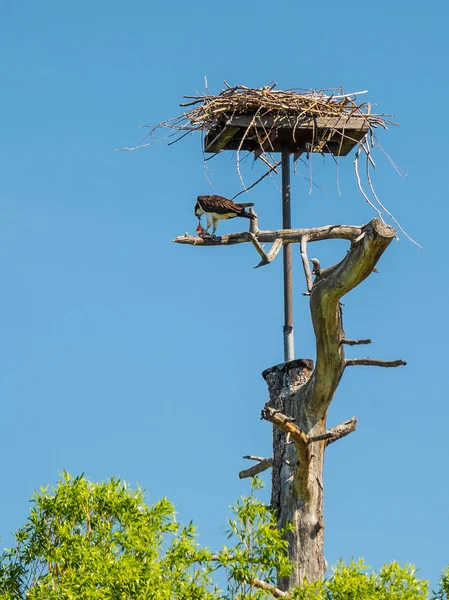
column 299, row 399
column 297, row 489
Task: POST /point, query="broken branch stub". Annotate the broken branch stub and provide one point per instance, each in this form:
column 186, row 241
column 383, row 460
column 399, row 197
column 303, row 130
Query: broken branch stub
column 262, row 465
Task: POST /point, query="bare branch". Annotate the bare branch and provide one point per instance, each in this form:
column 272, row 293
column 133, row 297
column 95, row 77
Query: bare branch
column 271, row 169
column 272, row 589
column 285, row 423
column 272, row 253
column 305, row 263
column 334, row 434
column 257, row 583
column 359, row 183
column 355, row 342
column 288, row 236
column 373, row 362
column 262, row 465
column 255, row 242
column 368, row 176
column 277, row 245
column 258, row 458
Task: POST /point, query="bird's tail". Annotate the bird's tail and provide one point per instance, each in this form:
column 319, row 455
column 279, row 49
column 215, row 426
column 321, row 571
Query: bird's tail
column 246, row 204
column 247, row 215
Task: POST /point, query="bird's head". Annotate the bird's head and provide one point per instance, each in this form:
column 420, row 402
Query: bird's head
column 198, row 211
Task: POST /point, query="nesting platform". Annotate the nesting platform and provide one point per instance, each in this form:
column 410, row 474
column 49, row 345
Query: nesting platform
column 330, row 134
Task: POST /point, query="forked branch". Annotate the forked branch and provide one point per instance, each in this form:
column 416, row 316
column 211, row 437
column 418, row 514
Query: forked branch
column 278, row 239
column 285, row 424
column 272, row 253
column 329, row 287
column 288, row 236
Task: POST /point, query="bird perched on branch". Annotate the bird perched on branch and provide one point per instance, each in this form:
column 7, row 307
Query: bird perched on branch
column 217, row 208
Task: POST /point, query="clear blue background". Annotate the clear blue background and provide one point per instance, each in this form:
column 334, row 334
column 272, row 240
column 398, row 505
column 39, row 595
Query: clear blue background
column 124, row 354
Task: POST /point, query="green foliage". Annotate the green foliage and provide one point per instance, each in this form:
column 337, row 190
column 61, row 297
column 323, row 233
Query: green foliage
column 95, row 541
column 354, row 582
column 258, row 551
column 89, row 540
column 100, row 541
column 443, row 592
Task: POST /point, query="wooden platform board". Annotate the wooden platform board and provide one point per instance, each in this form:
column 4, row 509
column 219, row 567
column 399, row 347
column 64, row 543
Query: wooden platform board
column 336, row 135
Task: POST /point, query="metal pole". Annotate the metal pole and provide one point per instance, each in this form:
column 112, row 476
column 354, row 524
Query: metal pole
column 289, row 347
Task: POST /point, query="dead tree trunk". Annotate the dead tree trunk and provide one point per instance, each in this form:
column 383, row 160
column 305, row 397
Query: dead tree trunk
column 299, row 399
column 300, row 393
column 297, row 487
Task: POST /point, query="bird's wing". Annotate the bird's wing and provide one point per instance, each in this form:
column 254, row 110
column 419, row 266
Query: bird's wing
column 219, row 205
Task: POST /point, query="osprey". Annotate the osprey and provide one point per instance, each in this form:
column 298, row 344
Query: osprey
column 217, row 208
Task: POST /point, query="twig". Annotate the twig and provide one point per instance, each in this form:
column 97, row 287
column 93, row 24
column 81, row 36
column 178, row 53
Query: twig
column 396, row 167
column 310, row 166
column 258, row 458
column 207, row 170
column 267, row 162
column 337, row 171
column 368, row 176
column 335, row 433
column 355, row 342
column 178, row 139
column 274, row 591
column 296, row 172
column 262, row 465
column 257, row 583
column 240, row 147
column 305, row 263
column 356, row 169
column 273, row 168
column 354, row 94
column 373, row 362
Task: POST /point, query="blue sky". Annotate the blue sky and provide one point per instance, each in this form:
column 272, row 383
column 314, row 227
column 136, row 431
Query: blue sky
column 124, row 354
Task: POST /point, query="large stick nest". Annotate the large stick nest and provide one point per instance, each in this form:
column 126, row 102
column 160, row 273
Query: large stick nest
column 210, row 111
